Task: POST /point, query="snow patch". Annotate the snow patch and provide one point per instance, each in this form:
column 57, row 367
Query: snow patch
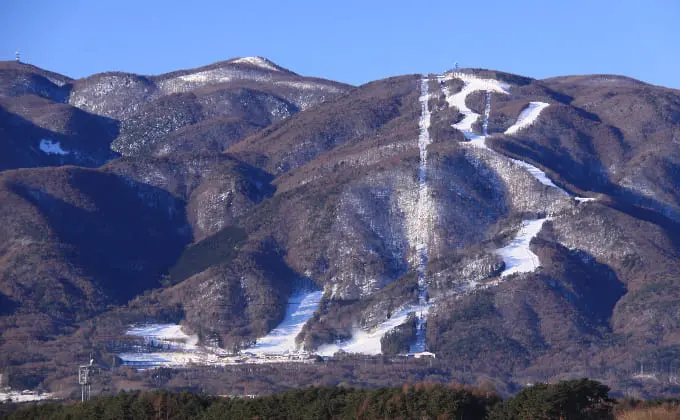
column 257, row 62
column 308, row 86
column 204, row 77
column 52, row 147
column 517, row 255
column 281, row 340
column 527, row 117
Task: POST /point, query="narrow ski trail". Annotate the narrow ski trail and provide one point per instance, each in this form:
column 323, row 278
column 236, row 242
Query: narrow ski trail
column 424, row 214
column 369, row 342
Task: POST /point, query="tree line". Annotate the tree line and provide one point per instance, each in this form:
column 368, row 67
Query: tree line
column 581, row 399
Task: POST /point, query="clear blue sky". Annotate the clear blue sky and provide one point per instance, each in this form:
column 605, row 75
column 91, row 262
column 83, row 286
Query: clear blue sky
column 348, row 40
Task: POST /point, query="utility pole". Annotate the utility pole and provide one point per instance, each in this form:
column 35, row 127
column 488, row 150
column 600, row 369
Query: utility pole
column 84, row 379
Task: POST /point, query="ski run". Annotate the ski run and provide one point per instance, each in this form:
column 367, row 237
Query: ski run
column 369, row 342
column 527, row 117
column 424, row 214
column 172, row 347
column 281, row 340
column 517, row 255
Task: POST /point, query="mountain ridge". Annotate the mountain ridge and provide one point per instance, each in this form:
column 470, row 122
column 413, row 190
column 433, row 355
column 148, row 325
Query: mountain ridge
column 336, row 192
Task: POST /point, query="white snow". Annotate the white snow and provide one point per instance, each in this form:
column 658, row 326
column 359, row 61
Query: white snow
column 423, row 215
column 205, row 77
column 527, row 117
column 368, row 342
column 471, row 84
column 584, row 199
column 146, row 358
column 308, row 85
column 23, row 396
column 52, row 147
column 517, row 255
column 166, row 334
column 257, row 62
column 174, row 348
column 281, row 340
column 537, row 173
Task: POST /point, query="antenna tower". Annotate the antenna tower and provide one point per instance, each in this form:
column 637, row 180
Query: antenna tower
column 85, row 380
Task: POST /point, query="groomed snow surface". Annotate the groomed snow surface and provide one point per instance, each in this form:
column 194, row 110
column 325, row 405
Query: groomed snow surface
column 368, row 342
column 527, row 117
column 538, row 174
column 176, row 348
column 471, row 84
column 167, row 334
column 517, row 255
column 52, row 147
column 281, row 340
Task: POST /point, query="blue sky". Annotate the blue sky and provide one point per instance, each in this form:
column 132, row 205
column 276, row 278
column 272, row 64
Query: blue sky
column 348, row 40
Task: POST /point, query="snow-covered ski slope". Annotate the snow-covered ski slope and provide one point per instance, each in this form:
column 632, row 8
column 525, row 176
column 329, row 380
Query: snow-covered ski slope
column 174, row 348
column 281, row 340
column 527, row 117
column 471, row 84
column 368, row 342
column 424, row 213
column 517, row 255
column 538, row 174
column 167, row 334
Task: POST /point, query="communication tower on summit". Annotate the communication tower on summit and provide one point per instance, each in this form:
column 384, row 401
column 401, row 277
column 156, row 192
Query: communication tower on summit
column 17, row 56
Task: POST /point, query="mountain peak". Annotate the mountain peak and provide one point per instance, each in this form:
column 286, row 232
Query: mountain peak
column 257, row 61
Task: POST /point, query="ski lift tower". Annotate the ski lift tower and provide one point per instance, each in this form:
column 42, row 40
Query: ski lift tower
column 84, row 380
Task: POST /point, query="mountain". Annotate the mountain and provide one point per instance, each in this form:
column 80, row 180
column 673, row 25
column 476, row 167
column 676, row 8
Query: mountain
column 520, row 230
